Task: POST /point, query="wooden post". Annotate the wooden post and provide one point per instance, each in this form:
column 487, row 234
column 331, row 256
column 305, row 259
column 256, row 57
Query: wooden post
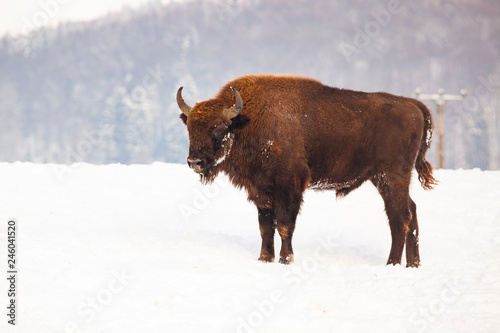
column 440, row 99
column 440, row 114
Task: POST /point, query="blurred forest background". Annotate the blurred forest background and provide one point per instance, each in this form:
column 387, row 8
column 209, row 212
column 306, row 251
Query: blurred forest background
column 104, row 91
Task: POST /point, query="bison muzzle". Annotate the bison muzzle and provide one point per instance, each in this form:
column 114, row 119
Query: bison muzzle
column 276, row 136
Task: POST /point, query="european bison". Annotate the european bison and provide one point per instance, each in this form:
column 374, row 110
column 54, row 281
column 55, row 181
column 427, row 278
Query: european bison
column 276, row 136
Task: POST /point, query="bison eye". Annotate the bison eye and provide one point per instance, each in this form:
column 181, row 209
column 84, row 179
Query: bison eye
column 219, row 131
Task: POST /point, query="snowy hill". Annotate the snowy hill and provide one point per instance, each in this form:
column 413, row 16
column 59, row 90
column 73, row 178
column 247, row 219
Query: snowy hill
column 146, row 248
column 104, row 91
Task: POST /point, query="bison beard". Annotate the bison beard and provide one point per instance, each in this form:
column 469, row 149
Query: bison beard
column 276, row 136
column 208, row 175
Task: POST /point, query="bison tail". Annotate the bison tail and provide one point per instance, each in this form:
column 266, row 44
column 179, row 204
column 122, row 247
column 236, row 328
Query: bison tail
column 423, row 167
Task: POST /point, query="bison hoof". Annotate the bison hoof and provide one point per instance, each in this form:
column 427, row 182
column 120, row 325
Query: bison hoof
column 286, row 260
column 266, row 258
column 393, row 262
column 414, row 264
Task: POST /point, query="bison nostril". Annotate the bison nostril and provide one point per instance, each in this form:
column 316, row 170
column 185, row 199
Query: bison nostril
column 195, row 163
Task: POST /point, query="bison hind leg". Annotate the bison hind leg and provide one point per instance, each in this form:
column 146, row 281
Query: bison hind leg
column 401, row 212
column 412, row 252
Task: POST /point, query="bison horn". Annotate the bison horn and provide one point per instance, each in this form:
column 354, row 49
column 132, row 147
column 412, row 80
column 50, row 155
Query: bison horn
column 236, row 108
column 182, row 105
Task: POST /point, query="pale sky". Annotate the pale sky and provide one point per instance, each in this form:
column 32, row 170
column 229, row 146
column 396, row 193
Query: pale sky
column 19, row 16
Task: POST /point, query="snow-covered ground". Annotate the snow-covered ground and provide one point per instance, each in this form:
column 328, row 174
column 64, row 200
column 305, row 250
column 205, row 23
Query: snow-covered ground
column 146, row 248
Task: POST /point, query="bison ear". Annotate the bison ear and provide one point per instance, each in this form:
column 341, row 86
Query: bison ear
column 184, row 118
column 239, row 123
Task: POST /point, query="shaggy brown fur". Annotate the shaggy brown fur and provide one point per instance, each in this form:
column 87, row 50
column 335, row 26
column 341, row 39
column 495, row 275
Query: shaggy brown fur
column 295, row 133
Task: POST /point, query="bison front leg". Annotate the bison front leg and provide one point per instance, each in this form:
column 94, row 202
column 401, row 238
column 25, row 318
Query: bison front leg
column 286, row 217
column 286, row 233
column 267, row 225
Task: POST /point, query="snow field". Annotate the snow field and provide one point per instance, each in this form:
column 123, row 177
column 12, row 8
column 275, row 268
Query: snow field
column 147, row 248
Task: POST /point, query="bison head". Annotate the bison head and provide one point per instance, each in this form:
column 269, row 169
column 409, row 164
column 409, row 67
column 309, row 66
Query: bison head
column 210, row 133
